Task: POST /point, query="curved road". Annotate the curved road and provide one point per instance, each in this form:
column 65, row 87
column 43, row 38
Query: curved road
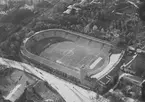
column 70, row 92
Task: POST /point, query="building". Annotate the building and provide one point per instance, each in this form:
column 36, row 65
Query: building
column 75, row 57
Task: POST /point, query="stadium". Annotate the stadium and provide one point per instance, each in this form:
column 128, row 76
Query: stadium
column 77, row 58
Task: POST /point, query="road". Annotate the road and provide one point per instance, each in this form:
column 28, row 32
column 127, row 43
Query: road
column 70, row 92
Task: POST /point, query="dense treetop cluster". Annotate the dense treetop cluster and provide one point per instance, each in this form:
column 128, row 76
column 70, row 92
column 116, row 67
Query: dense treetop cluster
column 114, row 21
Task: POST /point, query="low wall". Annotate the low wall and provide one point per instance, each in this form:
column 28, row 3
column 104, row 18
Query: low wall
column 76, row 37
